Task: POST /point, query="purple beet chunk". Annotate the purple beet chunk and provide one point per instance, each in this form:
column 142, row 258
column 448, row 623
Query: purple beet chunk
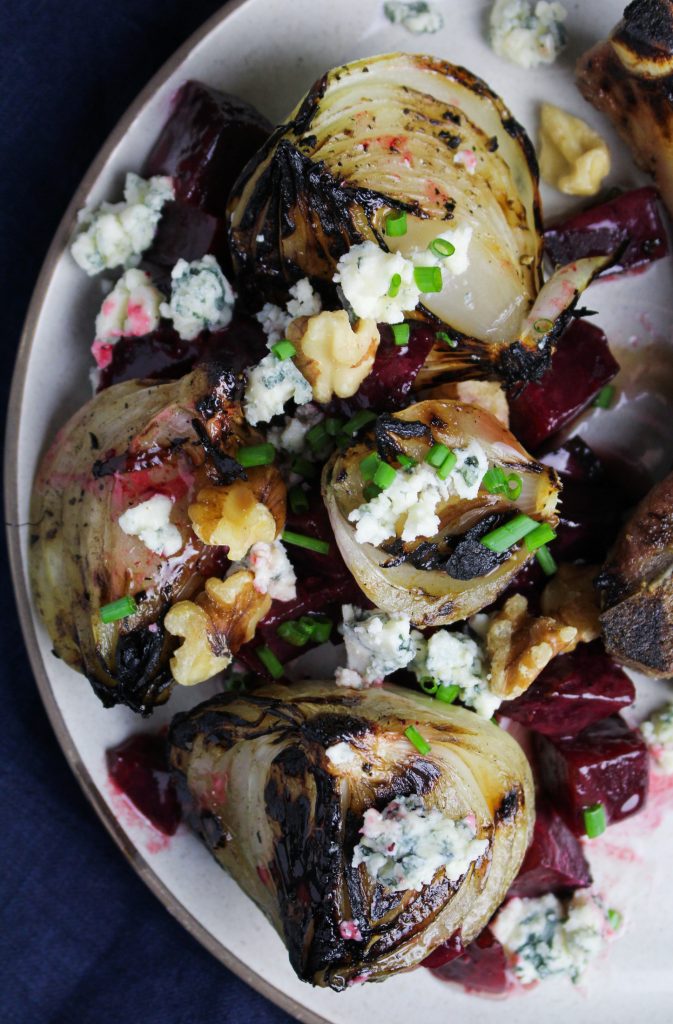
column 205, row 144
column 605, row 764
column 395, row 368
column 580, row 367
column 184, row 232
column 573, row 692
column 576, row 461
column 554, row 861
column 632, row 217
column 481, row 968
column 163, row 355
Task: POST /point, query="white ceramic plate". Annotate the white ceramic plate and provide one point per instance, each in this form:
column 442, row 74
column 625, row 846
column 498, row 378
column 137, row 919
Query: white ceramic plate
column 269, row 52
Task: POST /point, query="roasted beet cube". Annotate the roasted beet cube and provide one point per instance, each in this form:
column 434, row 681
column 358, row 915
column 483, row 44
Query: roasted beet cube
column 580, row 367
column 574, row 691
column 575, row 460
column 444, row 954
column 205, row 144
column 138, row 767
column 184, row 232
column 481, row 968
column 632, row 218
column 605, row 764
column 395, row 368
column 554, row 861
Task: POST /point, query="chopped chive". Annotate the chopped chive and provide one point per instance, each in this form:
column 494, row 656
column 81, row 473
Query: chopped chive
column 436, row 455
column 414, row 736
column 370, row 492
column 369, row 465
column 448, row 694
column 546, row 560
column 603, row 399
column 256, row 455
column 384, row 475
column 317, row 437
column 333, row 426
column 539, row 537
column 321, row 627
column 395, row 285
column 595, row 820
column 298, row 500
column 447, row 465
column 302, row 541
column 406, row 461
column 270, row 661
column 447, row 339
column 294, row 633
column 441, row 247
column 360, row 420
column 514, row 486
column 304, row 468
column 396, row 224
column 283, row 349
column 505, row 536
column 428, row 685
column 543, row 326
column 428, row 279
column 496, row 481
column 401, row 333
column 614, row 919
column 116, row 610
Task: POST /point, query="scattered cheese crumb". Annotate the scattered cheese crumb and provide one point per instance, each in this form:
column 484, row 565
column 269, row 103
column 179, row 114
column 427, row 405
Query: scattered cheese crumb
column 150, row 523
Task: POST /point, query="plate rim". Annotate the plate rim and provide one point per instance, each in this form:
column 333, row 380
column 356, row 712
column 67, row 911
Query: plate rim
column 12, row 533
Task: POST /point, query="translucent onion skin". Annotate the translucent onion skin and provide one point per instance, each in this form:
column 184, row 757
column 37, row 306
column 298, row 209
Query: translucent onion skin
column 283, row 819
column 131, row 441
column 429, row 596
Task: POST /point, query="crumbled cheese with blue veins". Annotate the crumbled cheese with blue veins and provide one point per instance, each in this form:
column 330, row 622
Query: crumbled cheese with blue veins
column 377, row 645
column 151, row 523
column 364, row 274
column 544, row 937
column 455, row 659
column 657, row 732
column 291, row 436
column 470, row 468
column 419, row 17
column 303, row 301
column 271, row 384
column 131, row 309
column 406, row 844
column 201, row 297
column 116, row 234
column 273, row 571
column 528, row 33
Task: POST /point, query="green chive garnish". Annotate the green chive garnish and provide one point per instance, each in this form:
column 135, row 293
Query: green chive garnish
column 369, row 465
column 395, row 285
column 294, row 633
column 333, row 426
column 447, row 465
column 396, row 224
column 543, row 326
column 117, row 610
column 304, row 468
column 310, row 543
column 614, row 919
column 298, row 500
column 371, row 491
column 406, row 461
column 256, row 455
column 436, row 455
column 595, row 820
column 448, row 694
column 429, row 686
column 496, row 481
column 603, row 399
column 320, row 626
column 384, row 475
column 442, row 248
column 270, row 661
column 360, row 420
column 317, row 437
column 401, row 333
column 447, row 339
column 414, row 736
column 428, row 279
column 546, row 560
column 283, row 349
column 505, row 536
column 538, row 537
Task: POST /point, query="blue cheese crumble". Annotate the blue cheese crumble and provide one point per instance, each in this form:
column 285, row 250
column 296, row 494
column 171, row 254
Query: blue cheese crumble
column 364, row 274
column 131, row 309
column 303, row 301
column 419, row 17
column 376, row 646
column 151, row 523
column 116, row 234
column 455, row 659
column 271, row 384
column 657, row 732
column 406, row 844
column 201, row 297
column 273, row 571
column 528, row 33
column 545, row 937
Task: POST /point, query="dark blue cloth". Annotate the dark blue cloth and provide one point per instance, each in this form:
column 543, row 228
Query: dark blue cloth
column 82, row 941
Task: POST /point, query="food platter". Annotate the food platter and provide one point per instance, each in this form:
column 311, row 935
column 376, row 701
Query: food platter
column 271, row 69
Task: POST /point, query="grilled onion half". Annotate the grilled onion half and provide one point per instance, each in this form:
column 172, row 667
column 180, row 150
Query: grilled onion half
column 130, row 442
column 262, row 783
column 407, row 132
column 451, row 575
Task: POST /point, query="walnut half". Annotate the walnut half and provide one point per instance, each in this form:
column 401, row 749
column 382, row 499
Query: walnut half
column 238, row 515
column 334, row 358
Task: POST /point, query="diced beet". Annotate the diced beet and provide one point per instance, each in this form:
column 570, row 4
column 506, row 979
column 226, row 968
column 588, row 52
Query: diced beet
column 632, row 217
column 444, row 954
column 184, row 232
column 576, row 461
column 162, row 355
column 205, row 144
column 605, row 764
column 395, row 368
column 481, row 968
column 574, row 691
column 554, row 861
column 139, row 768
column 581, row 365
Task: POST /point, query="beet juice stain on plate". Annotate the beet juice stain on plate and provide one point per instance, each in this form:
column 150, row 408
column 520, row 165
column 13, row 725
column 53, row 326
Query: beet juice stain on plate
column 138, row 768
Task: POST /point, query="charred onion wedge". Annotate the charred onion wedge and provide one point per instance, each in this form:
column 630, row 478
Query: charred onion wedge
column 438, row 579
column 277, row 783
column 132, row 441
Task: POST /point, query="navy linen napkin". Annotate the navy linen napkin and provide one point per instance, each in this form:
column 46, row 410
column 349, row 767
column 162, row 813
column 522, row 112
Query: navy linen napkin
column 82, row 941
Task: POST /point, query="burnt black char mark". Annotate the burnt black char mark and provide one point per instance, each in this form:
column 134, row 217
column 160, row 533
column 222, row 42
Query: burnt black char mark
column 647, row 28
column 389, row 430
column 226, row 468
column 141, row 682
column 470, row 558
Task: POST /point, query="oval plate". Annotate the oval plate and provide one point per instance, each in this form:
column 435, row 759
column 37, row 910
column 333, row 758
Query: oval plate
column 272, row 69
